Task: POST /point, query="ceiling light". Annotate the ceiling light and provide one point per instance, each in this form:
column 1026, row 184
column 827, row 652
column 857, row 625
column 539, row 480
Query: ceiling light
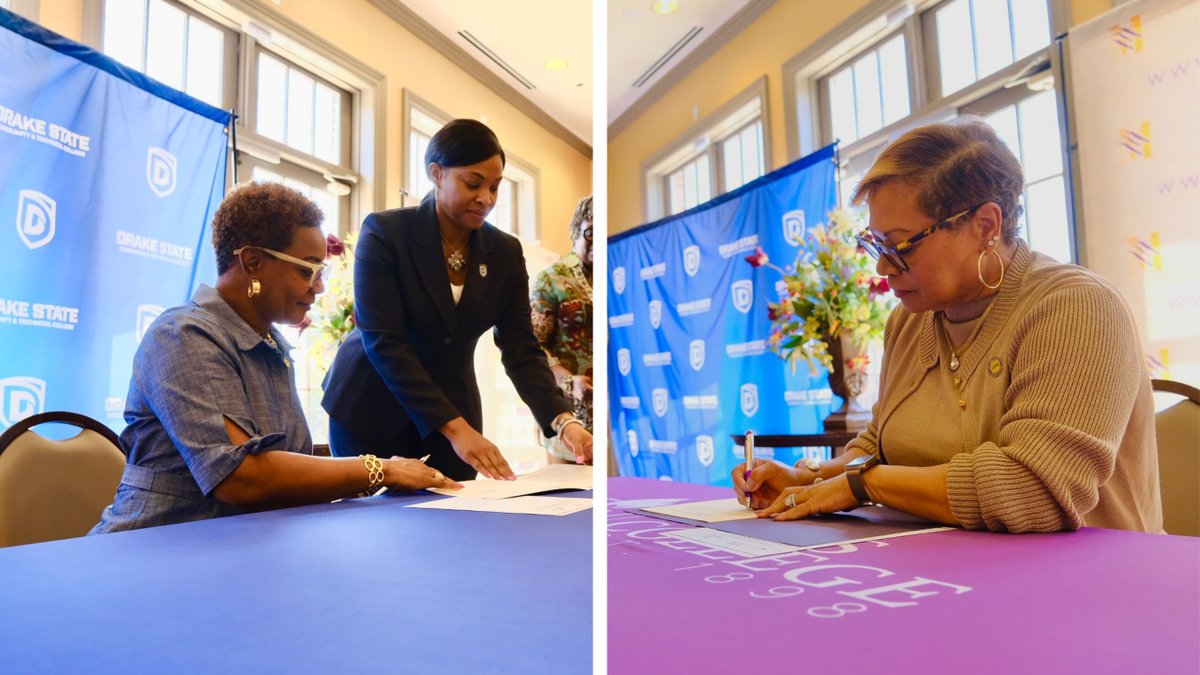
column 664, row 6
column 556, row 64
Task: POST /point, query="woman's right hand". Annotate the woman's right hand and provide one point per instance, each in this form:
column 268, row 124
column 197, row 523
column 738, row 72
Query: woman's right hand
column 413, row 474
column 766, row 482
column 474, row 449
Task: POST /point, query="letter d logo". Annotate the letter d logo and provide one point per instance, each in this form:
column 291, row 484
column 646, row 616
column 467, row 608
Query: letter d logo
column 36, row 214
column 160, row 171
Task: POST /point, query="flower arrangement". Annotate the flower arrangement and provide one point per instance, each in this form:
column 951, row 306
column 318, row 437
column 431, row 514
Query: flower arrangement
column 332, row 316
column 832, row 292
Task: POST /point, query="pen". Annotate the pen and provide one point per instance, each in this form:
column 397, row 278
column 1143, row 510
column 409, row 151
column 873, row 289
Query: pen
column 748, row 446
column 384, row 488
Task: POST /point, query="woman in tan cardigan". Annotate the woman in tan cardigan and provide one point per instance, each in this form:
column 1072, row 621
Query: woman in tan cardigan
column 1013, row 396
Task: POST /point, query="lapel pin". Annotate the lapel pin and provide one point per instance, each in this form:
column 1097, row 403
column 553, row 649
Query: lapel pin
column 483, row 270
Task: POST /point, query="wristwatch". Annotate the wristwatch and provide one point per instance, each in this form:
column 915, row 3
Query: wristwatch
column 855, row 468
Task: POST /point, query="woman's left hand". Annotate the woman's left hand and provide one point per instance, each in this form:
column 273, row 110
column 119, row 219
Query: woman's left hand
column 828, row 496
column 576, row 439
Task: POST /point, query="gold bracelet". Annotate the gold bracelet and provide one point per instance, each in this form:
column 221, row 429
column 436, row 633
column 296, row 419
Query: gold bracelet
column 374, row 471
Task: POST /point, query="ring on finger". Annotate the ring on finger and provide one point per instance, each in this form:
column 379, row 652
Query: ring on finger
column 790, row 500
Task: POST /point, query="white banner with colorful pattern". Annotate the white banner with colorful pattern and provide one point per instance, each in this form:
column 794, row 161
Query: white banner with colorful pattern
column 1135, row 83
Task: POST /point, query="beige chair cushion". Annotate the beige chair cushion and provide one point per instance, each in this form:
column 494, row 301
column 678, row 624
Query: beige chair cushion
column 1178, row 432
column 56, row 489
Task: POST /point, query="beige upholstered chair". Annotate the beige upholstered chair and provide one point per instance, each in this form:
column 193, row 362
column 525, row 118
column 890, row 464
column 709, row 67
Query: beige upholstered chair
column 1178, row 431
column 56, row 489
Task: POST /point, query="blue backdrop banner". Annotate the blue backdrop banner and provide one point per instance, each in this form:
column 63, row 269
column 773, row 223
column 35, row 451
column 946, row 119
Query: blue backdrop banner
column 107, row 182
column 689, row 362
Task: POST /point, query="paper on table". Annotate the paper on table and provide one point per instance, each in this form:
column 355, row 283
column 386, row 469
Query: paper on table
column 553, row 477
column 733, row 543
column 538, row 506
column 715, row 511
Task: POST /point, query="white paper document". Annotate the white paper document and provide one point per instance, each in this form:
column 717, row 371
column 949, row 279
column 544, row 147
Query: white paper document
column 553, row 477
column 538, row 506
column 715, row 511
column 733, row 543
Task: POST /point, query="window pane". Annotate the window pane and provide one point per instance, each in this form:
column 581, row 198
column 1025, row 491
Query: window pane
column 703, row 180
column 992, row 38
column 327, row 125
column 752, row 152
column 296, row 185
column 1004, row 121
column 731, row 156
column 866, row 94
column 329, row 207
column 205, row 54
column 272, row 97
column 893, row 67
column 1031, row 26
column 125, row 31
column 1039, row 136
column 675, row 188
column 261, row 175
column 503, row 214
column 1047, row 219
column 690, row 198
column 956, row 56
column 841, row 106
column 418, row 179
column 166, row 36
column 300, row 111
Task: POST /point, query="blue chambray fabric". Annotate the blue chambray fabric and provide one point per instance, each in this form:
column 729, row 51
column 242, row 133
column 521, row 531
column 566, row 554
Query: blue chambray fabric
column 197, row 364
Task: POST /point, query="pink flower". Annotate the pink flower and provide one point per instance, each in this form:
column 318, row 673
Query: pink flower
column 858, row 363
column 305, row 323
column 333, row 246
column 759, row 258
column 879, row 285
column 772, row 313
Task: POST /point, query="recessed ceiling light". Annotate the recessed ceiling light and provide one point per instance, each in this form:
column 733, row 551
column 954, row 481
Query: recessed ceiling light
column 664, row 6
column 556, row 64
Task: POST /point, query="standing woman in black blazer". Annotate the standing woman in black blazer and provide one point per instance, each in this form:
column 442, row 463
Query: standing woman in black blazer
column 428, row 281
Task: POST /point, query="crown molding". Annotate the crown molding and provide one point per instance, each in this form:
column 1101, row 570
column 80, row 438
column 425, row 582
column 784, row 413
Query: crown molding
column 413, row 23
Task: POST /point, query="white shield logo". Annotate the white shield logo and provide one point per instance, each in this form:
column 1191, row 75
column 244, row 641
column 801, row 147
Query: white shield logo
column 160, row 171
column 749, row 399
column 691, row 260
column 656, row 313
column 743, row 295
column 623, row 361
column 146, row 314
column 659, row 396
column 21, row 397
column 618, row 279
column 793, row 227
column 36, row 214
column 633, row 444
column 704, row 450
column 696, row 354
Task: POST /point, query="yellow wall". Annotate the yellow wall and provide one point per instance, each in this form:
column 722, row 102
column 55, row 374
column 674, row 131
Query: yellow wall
column 763, row 47
column 366, row 34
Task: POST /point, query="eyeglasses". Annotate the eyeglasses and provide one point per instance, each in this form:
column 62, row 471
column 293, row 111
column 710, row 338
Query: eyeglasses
column 315, row 270
column 586, row 234
column 895, row 254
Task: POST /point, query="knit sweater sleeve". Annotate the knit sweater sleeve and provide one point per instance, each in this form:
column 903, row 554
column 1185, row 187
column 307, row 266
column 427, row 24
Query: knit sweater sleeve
column 1075, row 366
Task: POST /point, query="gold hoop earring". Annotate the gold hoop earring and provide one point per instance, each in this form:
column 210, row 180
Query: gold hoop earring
column 254, row 289
column 979, row 264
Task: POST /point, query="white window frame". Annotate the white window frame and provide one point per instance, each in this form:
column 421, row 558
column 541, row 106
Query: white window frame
column 807, row 127
column 705, row 136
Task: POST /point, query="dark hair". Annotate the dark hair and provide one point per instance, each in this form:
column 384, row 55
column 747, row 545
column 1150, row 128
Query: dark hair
column 583, row 213
column 260, row 214
column 462, row 143
column 953, row 167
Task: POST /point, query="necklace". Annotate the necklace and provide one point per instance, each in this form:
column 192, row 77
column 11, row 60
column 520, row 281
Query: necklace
column 581, row 278
column 270, row 342
column 456, row 260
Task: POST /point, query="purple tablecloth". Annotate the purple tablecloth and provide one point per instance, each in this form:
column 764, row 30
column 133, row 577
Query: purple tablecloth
column 1096, row 601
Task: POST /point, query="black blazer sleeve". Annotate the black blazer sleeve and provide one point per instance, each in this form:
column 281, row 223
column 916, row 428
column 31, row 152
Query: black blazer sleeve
column 380, row 313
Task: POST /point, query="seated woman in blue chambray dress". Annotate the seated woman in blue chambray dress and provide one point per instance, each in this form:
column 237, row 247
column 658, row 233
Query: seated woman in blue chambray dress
column 215, row 424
